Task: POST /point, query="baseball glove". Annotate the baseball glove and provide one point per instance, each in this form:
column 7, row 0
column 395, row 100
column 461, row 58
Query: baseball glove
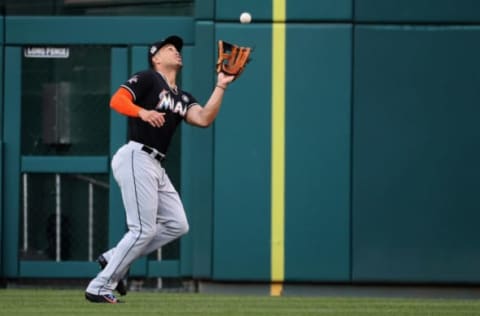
column 232, row 58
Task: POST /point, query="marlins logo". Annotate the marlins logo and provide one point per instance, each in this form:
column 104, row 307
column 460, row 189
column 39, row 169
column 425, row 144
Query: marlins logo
column 166, row 102
column 133, row 80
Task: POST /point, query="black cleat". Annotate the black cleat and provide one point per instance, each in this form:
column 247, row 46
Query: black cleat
column 121, row 286
column 107, row 298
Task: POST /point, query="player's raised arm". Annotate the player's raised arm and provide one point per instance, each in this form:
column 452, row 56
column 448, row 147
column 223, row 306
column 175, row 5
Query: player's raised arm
column 231, row 62
column 204, row 116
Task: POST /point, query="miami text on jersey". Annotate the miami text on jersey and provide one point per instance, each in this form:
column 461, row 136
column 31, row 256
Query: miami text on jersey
column 166, row 102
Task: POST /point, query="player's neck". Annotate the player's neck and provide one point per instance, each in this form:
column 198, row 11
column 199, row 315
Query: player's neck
column 169, row 75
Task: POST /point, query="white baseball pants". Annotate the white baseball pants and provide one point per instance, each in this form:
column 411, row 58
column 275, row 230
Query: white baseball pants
column 154, row 212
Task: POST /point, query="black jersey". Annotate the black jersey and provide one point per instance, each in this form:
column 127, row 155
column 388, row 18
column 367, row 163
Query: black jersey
column 150, row 91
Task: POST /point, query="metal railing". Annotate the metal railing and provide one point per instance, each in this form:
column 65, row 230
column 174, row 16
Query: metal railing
column 92, row 183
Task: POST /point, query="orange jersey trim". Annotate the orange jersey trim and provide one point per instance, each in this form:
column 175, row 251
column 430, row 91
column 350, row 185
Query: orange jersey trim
column 122, row 102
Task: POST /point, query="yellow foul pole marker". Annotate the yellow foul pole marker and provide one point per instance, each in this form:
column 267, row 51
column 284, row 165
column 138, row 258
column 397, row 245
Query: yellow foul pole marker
column 278, row 149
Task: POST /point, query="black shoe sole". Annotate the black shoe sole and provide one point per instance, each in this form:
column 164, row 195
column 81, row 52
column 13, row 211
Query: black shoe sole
column 100, row 299
column 121, row 286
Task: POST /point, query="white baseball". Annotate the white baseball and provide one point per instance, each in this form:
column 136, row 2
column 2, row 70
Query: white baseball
column 245, row 17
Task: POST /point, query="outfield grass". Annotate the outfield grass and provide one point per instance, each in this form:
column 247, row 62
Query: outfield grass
column 19, row 302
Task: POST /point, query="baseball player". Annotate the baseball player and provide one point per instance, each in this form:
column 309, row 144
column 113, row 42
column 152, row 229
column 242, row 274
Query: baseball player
column 155, row 106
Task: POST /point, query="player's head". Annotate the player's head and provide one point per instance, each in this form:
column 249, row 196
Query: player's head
column 157, row 49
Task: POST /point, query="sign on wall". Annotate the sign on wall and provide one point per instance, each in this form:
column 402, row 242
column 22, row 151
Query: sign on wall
column 46, row 52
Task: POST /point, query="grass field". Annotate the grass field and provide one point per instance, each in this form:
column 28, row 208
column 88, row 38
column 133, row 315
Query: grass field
column 19, row 302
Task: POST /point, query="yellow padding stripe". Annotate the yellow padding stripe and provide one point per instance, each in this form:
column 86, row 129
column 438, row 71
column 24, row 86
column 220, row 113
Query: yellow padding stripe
column 278, row 148
column 279, row 10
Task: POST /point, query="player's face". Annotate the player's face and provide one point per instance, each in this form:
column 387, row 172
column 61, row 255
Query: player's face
column 169, row 55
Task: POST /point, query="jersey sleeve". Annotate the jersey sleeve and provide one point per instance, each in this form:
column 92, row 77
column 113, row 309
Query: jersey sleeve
column 139, row 84
column 191, row 100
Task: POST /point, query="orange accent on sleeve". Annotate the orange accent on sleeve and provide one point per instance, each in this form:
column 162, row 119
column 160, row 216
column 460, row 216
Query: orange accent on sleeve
column 122, row 102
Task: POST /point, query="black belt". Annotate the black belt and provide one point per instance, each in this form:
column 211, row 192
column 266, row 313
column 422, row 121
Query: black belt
column 160, row 157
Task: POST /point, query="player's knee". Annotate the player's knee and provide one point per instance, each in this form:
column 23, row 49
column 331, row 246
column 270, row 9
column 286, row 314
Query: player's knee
column 184, row 228
column 180, row 228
